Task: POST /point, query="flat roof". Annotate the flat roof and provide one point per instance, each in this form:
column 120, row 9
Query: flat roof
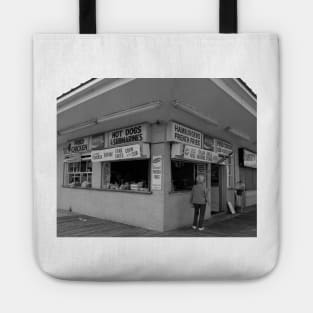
column 66, row 93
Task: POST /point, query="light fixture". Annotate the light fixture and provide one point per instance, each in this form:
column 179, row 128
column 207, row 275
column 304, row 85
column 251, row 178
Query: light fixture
column 237, row 133
column 76, row 127
column 135, row 110
column 190, row 110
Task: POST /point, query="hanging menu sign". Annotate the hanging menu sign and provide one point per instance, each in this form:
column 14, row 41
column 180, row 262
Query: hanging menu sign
column 201, row 169
column 208, row 143
column 180, row 133
column 196, row 154
column 118, row 153
column 122, row 136
column 156, row 169
column 222, row 147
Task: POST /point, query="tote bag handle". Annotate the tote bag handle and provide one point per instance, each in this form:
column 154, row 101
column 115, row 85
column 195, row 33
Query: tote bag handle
column 228, row 16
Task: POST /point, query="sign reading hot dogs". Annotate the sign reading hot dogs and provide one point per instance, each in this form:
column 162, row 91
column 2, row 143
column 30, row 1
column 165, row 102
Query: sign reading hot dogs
column 180, row 133
column 122, row 136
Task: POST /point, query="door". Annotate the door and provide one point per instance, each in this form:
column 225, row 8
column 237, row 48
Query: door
column 215, row 188
column 218, row 188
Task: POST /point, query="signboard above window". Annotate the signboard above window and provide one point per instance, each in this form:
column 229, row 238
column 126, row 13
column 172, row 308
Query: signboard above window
column 128, row 135
column 222, row 147
column 247, row 158
column 197, row 155
column 97, row 142
column 180, row 133
column 201, row 155
column 78, row 145
column 136, row 151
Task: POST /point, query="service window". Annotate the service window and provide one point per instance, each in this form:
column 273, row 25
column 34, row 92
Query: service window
column 183, row 175
column 78, row 174
column 126, row 175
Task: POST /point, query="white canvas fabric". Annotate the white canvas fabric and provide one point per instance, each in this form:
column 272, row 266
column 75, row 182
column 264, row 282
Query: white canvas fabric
column 59, row 59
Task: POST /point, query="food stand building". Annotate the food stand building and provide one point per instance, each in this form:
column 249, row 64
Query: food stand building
column 128, row 150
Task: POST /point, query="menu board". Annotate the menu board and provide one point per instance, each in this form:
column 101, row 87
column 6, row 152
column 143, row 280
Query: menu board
column 183, row 134
column 223, row 147
column 118, row 153
column 156, row 171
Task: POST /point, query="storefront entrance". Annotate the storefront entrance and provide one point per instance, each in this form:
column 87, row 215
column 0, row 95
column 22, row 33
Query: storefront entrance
column 218, row 188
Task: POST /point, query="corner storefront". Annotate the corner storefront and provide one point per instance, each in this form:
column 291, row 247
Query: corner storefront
column 141, row 173
column 110, row 177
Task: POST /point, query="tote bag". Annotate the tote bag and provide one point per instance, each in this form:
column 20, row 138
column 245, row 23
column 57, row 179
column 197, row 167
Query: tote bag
column 125, row 128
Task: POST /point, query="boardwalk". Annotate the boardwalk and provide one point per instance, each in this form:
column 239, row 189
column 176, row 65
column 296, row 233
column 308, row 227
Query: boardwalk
column 77, row 225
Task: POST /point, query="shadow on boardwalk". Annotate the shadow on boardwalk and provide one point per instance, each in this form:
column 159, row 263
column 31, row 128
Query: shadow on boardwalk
column 225, row 225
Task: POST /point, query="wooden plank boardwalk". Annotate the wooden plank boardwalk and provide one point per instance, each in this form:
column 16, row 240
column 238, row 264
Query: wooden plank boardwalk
column 78, row 225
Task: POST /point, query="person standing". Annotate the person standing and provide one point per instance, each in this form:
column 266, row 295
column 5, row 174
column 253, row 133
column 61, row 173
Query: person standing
column 240, row 195
column 199, row 201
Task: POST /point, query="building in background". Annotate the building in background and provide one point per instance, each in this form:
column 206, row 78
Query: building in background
column 128, row 150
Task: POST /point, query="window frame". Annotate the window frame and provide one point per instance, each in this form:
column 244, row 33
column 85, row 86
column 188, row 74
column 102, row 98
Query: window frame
column 148, row 160
column 194, row 175
column 76, row 171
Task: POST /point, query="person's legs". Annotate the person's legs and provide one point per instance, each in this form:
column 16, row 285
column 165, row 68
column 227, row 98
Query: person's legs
column 239, row 202
column 202, row 213
column 196, row 215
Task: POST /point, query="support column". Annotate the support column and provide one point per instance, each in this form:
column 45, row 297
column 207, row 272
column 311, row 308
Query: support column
column 208, row 179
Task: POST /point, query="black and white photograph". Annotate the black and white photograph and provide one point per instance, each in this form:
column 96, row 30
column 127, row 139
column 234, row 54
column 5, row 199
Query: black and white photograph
column 151, row 156
column 157, row 157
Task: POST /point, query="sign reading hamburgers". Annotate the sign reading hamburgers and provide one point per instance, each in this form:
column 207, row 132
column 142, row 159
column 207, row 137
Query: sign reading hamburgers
column 183, row 134
column 122, row 136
